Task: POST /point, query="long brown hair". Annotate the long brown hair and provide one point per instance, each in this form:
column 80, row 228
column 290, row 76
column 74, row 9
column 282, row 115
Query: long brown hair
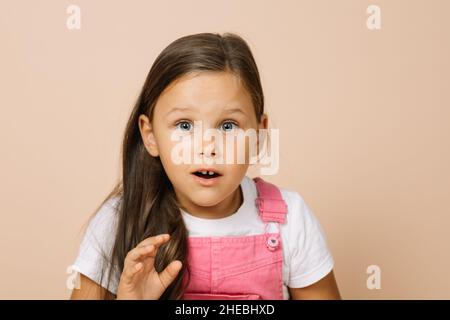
column 148, row 205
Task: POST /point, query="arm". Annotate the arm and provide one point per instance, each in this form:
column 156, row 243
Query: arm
column 90, row 290
column 326, row 288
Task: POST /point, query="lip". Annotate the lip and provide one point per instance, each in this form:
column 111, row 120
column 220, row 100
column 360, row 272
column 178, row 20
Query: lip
column 208, row 169
column 206, row 182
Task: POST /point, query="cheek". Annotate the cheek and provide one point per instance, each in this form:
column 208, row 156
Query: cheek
column 164, row 143
column 241, row 147
column 175, row 154
column 164, row 139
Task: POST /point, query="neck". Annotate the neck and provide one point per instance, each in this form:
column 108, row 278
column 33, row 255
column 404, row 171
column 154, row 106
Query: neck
column 223, row 209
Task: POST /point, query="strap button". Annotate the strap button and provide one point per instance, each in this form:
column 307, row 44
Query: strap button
column 272, row 243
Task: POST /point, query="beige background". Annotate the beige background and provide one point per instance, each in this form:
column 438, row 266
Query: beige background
column 363, row 117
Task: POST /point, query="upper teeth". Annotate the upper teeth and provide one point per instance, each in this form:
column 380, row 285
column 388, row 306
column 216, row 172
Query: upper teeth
column 207, row 172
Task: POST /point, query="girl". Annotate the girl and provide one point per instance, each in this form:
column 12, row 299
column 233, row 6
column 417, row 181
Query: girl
column 196, row 231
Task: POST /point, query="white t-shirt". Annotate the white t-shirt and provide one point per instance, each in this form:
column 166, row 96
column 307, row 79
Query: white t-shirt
column 306, row 257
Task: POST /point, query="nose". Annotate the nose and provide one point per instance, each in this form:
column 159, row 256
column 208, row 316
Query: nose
column 208, row 148
column 207, row 144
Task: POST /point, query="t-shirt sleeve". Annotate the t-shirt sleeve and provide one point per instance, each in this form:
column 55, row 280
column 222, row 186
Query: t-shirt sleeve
column 96, row 247
column 310, row 258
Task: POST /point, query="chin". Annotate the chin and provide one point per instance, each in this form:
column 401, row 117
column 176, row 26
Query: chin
column 205, row 199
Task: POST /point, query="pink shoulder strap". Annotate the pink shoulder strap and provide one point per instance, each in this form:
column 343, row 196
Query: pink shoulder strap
column 271, row 206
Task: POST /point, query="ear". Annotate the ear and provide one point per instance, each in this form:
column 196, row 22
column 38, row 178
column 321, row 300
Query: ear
column 263, row 124
column 147, row 134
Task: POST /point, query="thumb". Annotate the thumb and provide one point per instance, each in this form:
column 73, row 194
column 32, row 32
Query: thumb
column 170, row 273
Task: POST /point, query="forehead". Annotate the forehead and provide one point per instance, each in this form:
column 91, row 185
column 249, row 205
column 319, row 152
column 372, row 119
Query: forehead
column 206, row 92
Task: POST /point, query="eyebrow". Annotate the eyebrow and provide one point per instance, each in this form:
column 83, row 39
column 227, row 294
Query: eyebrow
column 235, row 110
column 226, row 111
column 177, row 109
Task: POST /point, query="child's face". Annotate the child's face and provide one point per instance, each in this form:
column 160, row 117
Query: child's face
column 219, row 101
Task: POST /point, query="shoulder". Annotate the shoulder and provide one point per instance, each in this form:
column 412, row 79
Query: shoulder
column 308, row 256
column 102, row 225
column 298, row 211
column 107, row 212
column 302, row 226
column 98, row 242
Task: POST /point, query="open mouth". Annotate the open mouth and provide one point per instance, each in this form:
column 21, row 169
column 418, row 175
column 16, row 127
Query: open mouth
column 206, row 174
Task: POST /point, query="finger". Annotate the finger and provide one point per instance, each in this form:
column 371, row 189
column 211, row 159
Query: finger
column 155, row 240
column 170, row 273
column 130, row 271
column 132, row 263
column 138, row 253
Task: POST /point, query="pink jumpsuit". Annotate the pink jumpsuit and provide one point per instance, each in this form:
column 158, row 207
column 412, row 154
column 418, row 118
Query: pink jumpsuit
column 240, row 268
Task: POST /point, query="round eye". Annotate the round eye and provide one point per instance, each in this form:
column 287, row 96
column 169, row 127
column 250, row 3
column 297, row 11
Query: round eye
column 227, row 126
column 184, row 126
